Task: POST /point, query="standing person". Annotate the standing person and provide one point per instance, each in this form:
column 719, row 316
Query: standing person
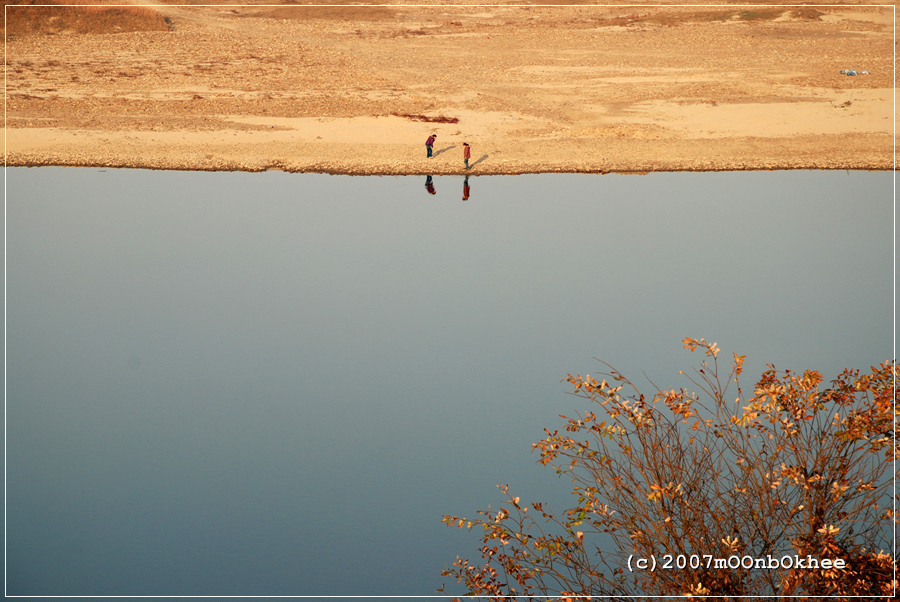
column 467, row 153
column 430, row 143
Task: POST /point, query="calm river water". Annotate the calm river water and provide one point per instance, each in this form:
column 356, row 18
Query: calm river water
column 277, row 384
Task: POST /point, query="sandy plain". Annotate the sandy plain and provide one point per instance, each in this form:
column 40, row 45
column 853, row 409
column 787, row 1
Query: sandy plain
column 356, row 90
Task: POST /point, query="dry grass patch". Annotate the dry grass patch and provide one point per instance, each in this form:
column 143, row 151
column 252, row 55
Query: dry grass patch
column 24, row 18
column 427, row 119
column 699, row 15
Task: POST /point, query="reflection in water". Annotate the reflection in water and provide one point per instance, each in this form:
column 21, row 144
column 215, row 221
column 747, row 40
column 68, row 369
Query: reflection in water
column 429, row 186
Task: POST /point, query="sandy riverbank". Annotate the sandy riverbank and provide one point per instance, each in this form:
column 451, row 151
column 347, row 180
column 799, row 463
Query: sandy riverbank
column 574, row 89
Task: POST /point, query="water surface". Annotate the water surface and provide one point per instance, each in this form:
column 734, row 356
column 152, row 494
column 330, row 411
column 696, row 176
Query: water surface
column 276, row 384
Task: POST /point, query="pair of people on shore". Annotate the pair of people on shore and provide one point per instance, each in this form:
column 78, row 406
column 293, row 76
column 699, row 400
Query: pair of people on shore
column 467, row 150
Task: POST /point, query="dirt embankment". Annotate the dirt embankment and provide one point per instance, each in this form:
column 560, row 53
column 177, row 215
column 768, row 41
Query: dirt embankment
column 531, row 89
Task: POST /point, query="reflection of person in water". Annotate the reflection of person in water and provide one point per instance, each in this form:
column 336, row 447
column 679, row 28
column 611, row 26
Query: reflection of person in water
column 429, row 186
column 466, row 189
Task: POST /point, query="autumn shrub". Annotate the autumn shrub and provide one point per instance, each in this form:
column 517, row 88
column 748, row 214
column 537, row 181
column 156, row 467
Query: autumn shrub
column 785, row 492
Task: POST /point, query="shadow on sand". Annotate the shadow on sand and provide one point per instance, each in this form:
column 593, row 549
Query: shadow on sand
column 443, row 150
column 480, row 159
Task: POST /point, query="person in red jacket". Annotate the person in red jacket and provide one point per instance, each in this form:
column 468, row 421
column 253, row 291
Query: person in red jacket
column 467, row 153
column 430, row 143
